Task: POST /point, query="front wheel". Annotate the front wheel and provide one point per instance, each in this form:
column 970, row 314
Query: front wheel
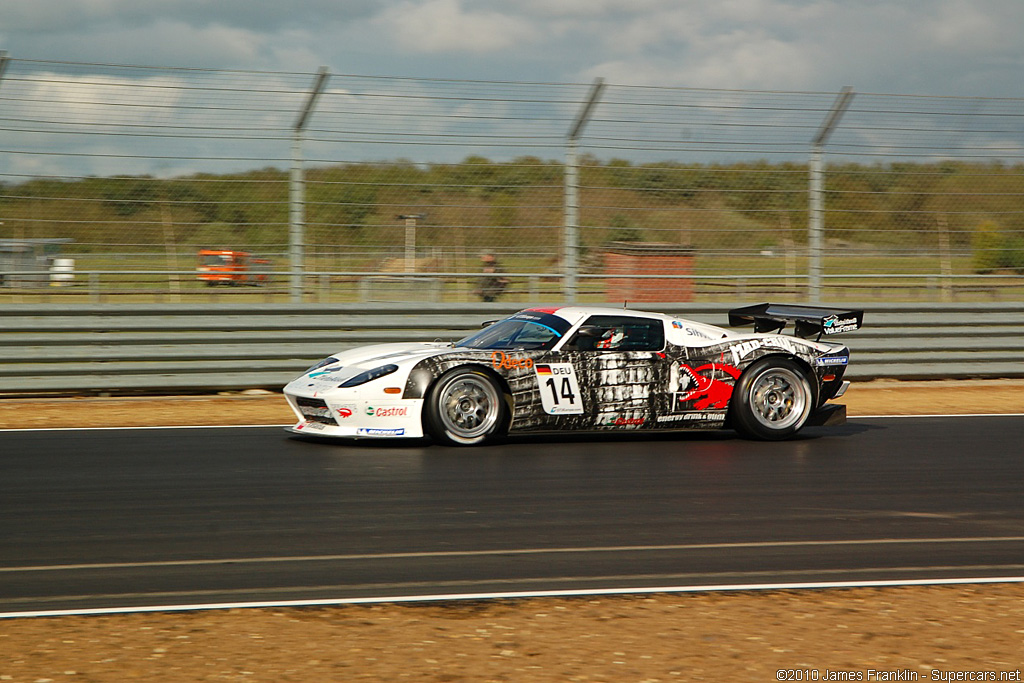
column 465, row 408
column 772, row 400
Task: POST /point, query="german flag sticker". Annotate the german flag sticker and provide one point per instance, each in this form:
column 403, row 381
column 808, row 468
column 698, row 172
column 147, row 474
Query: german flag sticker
column 543, row 370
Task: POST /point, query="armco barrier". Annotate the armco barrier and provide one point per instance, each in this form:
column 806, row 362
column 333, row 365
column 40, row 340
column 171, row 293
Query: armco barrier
column 179, row 348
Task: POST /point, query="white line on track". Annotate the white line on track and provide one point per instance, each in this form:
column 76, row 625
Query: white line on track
column 513, row 595
column 115, row 429
column 934, row 415
column 285, row 426
column 512, row 552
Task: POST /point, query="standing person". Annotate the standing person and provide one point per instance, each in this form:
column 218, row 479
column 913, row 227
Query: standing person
column 492, row 286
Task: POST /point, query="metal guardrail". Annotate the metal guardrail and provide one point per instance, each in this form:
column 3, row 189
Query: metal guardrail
column 116, row 348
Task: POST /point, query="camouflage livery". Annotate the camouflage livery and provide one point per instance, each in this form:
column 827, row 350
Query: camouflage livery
column 580, row 369
column 678, row 388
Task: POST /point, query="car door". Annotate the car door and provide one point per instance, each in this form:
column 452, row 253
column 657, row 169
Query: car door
column 616, row 364
column 700, row 378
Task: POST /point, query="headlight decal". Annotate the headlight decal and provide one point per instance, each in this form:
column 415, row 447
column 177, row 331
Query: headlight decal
column 369, row 376
column 324, row 363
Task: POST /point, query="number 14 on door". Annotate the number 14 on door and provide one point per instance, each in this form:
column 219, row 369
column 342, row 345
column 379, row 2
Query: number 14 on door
column 559, row 390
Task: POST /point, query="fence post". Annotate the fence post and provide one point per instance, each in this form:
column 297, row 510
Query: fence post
column 296, row 193
column 571, row 236
column 816, row 194
column 4, row 59
column 816, row 220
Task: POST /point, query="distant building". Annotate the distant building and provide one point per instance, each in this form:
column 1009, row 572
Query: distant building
column 29, row 262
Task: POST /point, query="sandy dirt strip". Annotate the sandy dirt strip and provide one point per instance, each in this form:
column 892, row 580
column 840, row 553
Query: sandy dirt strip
column 938, row 633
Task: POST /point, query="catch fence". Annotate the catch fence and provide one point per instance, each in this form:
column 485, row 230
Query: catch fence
column 358, row 189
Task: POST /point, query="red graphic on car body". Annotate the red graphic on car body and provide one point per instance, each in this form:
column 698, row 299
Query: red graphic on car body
column 708, row 391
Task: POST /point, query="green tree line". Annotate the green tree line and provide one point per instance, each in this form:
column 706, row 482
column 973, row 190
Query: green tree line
column 478, row 202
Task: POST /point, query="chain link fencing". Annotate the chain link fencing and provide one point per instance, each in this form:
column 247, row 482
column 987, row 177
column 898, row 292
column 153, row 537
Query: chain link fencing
column 123, row 183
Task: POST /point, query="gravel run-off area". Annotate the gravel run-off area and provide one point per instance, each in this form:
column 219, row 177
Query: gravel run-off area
column 923, row 633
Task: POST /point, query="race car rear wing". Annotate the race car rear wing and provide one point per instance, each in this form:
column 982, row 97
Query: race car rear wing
column 808, row 321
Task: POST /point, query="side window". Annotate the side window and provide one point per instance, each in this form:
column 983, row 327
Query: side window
column 618, row 333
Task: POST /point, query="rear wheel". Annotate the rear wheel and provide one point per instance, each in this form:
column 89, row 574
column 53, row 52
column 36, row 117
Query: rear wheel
column 465, row 408
column 772, row 400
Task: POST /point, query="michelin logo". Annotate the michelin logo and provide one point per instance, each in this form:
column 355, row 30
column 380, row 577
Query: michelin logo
column 832, row 360
column 366, row 431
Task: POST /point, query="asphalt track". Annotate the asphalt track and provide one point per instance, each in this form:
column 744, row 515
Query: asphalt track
column 171, row 517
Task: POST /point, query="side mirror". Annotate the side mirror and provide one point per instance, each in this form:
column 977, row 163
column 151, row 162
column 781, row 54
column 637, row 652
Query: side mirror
column 487, row 323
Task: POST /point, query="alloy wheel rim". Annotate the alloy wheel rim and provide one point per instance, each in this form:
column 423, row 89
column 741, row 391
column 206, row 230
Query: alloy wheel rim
column 779, row 398
column 469, row 407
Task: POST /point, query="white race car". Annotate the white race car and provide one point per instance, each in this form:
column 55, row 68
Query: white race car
column 579, row 368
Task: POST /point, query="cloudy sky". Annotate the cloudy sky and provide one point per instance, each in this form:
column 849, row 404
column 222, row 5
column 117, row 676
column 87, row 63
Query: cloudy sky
column 943, row 47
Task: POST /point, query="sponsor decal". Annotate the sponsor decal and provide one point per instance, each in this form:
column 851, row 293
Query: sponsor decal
column 832, row 360
column 744, row 349
column 502, row 361
column 327, row 377
column 316, row 426
column 705, row 389
column 692, row 417
column 329, row 369
column 366, row 431
column 345, row 411
column 834, row 324
column 697, row 333
column 622, row 422
column 389, row 411
column 691, row 331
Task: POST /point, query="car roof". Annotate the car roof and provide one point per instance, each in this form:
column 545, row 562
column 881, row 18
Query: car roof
column 574, row 313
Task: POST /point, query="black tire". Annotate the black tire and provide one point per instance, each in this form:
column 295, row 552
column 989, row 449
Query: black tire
column 771, row 401
column 466, row 407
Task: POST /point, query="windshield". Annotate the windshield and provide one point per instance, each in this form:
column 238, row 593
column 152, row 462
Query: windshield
column 215, row 260
column 526, row 330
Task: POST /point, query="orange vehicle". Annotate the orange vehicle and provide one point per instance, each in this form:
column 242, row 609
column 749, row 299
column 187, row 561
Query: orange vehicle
column 228, row 267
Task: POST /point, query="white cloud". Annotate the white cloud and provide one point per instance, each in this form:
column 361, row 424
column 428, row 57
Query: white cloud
column 591, row 9
column 758, row 65
column 61, row 15
column 705, row 46
column 159, row 43
column 755, row 61
column 445, row 26
column 75, row 100
column 933, row 46
column 966, row 27
column 216, row 43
